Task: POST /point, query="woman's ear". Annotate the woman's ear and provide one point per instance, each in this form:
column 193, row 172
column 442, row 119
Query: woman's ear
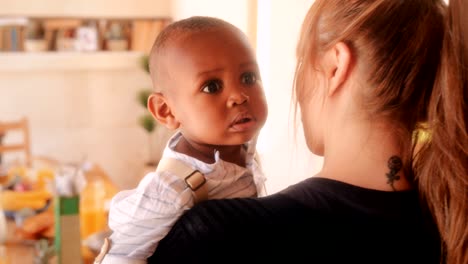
column 161, row 111
column 337, row 66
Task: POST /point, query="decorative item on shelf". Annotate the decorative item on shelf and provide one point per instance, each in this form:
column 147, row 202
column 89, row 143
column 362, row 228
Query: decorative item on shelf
column 12, row 33
column 146, row 120
column 60, row 33
column 116, row 39
column 87, row 36
column 66, row 40
column 34, row 40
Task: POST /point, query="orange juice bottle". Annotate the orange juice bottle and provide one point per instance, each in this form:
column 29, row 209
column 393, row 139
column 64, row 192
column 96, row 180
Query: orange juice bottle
column 94, row 201
column 93, row 216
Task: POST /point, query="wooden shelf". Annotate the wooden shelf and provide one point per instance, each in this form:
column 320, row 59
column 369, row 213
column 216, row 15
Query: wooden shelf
column 66, row 61
column 82, row 25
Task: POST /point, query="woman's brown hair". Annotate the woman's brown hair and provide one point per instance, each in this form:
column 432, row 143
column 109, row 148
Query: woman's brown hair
column 442, row 163
column 414, row 56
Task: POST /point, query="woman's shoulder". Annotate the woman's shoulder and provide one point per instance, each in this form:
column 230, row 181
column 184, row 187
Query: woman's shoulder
column 213, row 227
column 336, row 196
column 306, row 219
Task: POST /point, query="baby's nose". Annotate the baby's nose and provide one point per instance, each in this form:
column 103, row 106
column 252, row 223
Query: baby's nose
column 237, row 98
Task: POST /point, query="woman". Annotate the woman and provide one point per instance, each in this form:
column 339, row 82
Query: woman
column 371, row 76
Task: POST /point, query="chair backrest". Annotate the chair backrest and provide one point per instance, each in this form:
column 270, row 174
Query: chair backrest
column 21, row 125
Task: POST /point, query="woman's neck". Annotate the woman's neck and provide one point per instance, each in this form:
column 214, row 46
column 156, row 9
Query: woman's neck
column 206, row 153
column 367, row 155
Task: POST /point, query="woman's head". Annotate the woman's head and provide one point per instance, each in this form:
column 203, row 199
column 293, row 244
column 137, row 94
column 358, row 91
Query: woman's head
column 395, row 51
column 410, row 60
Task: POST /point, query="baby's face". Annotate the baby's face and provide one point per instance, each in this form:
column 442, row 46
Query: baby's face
column 215, row 88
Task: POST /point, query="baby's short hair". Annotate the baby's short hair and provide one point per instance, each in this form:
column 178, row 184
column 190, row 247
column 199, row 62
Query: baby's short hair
column 189, row 25
column 180, row 29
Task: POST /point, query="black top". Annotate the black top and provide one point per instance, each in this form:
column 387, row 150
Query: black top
column 316, row 221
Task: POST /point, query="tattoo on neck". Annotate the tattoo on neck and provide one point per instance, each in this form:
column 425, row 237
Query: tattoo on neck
column 394, row 164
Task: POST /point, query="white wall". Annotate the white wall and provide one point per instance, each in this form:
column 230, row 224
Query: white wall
column 77, row 110
column 229, row 10
column 285, row 155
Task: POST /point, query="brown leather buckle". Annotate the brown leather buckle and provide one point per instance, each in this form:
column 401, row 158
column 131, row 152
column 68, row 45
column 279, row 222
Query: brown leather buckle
column 195, row 180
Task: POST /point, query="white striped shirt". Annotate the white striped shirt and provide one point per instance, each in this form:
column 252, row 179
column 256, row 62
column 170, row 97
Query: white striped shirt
column 141, row 217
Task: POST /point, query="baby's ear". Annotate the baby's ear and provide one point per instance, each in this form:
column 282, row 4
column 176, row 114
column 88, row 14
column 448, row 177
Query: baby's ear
column 161, row 111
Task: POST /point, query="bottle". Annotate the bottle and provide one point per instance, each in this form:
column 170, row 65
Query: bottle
column 94, row 201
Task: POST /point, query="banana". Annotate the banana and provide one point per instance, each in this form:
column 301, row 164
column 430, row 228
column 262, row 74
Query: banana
column 13, row 201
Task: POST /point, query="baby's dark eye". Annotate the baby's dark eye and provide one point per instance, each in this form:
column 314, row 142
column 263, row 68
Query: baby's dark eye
column 249, row 78
column 212, row 87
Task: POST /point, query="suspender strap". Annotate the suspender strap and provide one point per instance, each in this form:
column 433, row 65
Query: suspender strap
column 194, row 179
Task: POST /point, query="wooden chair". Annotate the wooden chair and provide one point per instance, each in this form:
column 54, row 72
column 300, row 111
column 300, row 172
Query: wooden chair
column 21, row 125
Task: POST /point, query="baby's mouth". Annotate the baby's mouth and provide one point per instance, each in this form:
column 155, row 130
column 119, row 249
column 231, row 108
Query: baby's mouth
column 243, row 120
